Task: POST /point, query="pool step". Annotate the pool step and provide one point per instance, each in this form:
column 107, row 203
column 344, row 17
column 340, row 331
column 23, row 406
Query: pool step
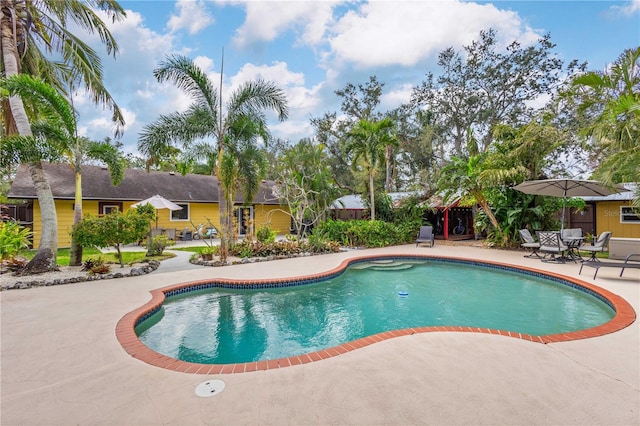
column 384, row 265
column 397, row 267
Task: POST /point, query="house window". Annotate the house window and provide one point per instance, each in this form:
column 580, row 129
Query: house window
column 629, row 215
column 180, row 214
column 106, row 208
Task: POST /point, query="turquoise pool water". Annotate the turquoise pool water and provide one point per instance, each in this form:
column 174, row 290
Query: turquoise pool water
column 219, row 326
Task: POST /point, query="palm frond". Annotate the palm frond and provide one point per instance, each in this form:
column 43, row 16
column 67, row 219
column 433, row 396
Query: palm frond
column 256, row 96
column 187, row 76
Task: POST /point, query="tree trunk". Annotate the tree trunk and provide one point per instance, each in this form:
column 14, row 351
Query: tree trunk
column 222, row 211
column 75, row 254
column 372, row 197
column 387, row 177
column 45, row 259
column 487, row 209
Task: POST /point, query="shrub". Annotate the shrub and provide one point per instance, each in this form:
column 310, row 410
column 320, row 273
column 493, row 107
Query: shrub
column 13, row 238
column 366, row 233
column 265, row 234
column 96, row 266
column 158, row 244
column 207, row 253
column 283, row 248
column 114, row 229
column 209, row 250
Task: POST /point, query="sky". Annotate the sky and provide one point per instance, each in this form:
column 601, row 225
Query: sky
column 310, row 49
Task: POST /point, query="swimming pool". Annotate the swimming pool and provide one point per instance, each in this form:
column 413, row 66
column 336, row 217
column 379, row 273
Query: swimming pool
column 274, row 321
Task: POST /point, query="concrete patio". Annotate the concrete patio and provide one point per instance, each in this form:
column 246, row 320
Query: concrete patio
column 62, row 364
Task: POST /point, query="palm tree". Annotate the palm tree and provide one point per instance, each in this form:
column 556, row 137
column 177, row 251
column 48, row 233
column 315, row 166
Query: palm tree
column 55, row 138
column 232, row 131
column 78, row 154
column 25, row 27
column 463, row 177
column 368, row 143
column 611, row 102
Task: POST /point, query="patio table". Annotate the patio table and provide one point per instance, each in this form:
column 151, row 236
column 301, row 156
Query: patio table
column 572, row 244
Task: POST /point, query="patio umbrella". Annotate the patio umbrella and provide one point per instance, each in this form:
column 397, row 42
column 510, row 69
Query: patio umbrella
column 158, row 202
column 567, row 188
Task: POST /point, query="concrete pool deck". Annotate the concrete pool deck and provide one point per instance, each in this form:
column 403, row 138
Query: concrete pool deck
column 62, row 364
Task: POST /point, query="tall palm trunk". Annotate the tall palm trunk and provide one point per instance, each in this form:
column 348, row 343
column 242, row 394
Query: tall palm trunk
column 222, row 207
column 387, row 157
column 224, row 222
column 45, row 259
column 75, row 254
column 372, row 196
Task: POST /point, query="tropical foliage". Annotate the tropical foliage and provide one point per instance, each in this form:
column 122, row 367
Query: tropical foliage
column 609, row 105
column 368, row 146
column 13, row 238
column 367, row 233
column 233, row 133
column 25, row 29
column 471, row 132
column 305, row 183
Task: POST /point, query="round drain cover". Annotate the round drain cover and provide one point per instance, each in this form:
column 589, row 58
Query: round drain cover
column 209, row 388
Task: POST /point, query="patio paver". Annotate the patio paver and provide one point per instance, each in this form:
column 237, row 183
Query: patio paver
column 62, row 364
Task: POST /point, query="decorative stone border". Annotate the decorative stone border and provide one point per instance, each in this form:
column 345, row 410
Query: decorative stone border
column 246, row 260
column 33, row 281
column 126, row 335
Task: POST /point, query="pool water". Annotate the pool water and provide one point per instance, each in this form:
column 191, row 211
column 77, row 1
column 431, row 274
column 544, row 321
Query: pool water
column 219, row 326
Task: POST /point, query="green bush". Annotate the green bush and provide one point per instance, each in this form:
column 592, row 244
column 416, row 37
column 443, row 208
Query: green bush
column 366, row 233
column 213, row 250
column 265, row 234
column 114, row 229
column 13, row 238
column 158, row 244
column 248, row 248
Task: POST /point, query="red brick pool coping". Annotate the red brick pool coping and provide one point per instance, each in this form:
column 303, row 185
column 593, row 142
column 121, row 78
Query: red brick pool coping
column 125, row 330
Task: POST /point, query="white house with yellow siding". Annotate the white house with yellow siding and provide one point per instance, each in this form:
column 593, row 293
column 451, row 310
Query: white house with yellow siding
column 196, row 194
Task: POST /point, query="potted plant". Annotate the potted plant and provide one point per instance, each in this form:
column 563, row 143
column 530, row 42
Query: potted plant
column 207, row 253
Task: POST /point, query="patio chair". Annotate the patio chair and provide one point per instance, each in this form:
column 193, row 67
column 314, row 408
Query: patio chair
column 529, row 242
column 170, row 233
column 573, row 239
column 601, row 245
column 426, row 236
column 551, row 243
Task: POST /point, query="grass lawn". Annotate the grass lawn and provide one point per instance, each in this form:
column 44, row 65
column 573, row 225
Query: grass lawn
column 128, row 257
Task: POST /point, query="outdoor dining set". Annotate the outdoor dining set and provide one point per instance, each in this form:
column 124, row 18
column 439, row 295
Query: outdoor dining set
column 564, row 245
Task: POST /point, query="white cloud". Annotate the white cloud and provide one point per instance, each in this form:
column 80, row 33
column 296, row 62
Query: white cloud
column 266, row 20
column 396, row 96
column 293, row 129
column 192, row 15
column 278, row 73
column 333, row 43
column 629, row 9
column 406, row 33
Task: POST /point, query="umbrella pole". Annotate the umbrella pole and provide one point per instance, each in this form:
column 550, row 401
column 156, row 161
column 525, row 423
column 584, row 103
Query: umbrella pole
column 564, row 207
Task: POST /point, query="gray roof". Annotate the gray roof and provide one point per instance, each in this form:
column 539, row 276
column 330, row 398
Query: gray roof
column 355, row 202
column 136, row 185
column 620, row 196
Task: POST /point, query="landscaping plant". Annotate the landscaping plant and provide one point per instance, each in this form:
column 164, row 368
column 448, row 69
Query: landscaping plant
column 114, row 229
column 13, row 238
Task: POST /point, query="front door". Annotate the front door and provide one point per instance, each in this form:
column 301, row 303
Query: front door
column 244, row 218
